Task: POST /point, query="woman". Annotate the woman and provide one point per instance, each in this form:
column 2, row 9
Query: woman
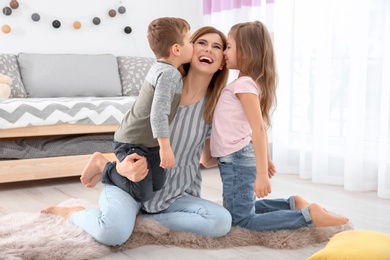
column 177, row 205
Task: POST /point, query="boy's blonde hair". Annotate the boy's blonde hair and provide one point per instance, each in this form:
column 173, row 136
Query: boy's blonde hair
column 255, row 58
column 164, row 32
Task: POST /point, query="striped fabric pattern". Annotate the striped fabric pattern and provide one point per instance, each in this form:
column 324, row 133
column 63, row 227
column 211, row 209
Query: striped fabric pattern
column 21, row 112
column 216, row 6
column 188, row 134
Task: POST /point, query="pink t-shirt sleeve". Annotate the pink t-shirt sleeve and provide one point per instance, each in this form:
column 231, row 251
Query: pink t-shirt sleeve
column 245, row 85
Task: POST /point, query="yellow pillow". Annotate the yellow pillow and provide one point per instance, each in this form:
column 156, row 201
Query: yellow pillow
column 356, row 245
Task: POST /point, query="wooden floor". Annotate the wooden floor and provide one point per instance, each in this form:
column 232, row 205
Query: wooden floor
column 365, row 211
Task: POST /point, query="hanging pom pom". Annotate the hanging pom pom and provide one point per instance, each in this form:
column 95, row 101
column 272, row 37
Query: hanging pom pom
column 56, row 24
column 14, row 4
column 35, row 17
column 128, row 29
column 112, row 13
column 6, row 28
column 76, row 25
column 7, row 11
column 121, row 10
column 96, row 21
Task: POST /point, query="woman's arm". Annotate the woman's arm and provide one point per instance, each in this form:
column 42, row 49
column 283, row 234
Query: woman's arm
column 134, row 167
column 206, row 159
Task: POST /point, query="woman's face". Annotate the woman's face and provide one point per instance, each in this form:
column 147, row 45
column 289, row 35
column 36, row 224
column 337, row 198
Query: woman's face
column 208, row 53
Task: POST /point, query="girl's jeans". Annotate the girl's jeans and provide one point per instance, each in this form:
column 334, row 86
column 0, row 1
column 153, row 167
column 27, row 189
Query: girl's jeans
column 113, row 222
column 238, row 174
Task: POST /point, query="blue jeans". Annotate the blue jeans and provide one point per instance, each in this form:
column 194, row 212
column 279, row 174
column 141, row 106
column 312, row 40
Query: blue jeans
column 238, row 174
column 113, row 222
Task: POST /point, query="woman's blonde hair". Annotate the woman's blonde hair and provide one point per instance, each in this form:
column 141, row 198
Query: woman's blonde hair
column 256, row 59
column 219, row 78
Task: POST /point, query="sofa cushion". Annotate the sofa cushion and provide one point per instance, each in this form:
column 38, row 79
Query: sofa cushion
column 132, row 71
column 70, row 75
column 9, row 67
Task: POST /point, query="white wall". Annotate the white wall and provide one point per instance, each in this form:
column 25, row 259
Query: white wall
column 108, row 37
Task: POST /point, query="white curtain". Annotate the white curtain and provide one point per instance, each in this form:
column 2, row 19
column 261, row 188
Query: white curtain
column 332, row 121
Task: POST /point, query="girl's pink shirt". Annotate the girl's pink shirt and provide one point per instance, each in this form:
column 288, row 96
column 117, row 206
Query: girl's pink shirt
column 230, row 128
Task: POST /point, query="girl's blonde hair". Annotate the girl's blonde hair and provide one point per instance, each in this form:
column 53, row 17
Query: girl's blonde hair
column 219, row 79
column 255, row 58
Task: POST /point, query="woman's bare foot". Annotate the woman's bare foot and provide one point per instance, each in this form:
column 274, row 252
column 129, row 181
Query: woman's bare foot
column 322, row 218
column 92, row 172
column 65, row 212
column 300, row 202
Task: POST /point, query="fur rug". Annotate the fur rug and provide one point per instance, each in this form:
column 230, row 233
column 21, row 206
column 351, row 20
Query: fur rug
column 26, row 235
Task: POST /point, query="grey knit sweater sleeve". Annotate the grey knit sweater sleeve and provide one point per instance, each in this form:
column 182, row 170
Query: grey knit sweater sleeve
column 168, row 83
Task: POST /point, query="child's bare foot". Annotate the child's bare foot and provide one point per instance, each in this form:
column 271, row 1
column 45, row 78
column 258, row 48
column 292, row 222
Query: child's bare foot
column 322, row 218
column 65, row 212
column 300, row 202
column 92, row 172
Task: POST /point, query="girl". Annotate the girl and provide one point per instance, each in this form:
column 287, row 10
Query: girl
column 239, row 138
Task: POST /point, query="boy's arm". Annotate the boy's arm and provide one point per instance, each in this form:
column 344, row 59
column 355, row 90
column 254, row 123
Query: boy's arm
column 164, row 93
column 167, row 158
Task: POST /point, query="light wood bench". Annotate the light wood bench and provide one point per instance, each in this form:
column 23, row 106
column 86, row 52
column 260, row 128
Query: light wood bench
column 50, row 167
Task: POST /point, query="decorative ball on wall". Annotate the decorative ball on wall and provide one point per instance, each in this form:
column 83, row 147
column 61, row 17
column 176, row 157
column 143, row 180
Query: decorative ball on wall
column 7, row 11
column 6, row 28
column 112, row 13
column 128, row 29
column 14, row 4
column 121, row 10
column 35, row 17
column 96, row 21
column 76, row 25
column 56, row 24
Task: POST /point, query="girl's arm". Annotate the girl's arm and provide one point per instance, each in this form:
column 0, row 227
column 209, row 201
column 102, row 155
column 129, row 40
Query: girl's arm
column 251, row 106
column 271, row 165
column 206, row 159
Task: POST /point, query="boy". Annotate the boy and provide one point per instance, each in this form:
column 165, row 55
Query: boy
column 145, row 128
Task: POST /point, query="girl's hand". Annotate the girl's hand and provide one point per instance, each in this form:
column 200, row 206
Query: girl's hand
column 262, row 186
column 271, row 169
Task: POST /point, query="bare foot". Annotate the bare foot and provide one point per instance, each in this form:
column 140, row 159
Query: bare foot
column 300, row 202
column 322, row 218
column 92, row 172
column 65, row 212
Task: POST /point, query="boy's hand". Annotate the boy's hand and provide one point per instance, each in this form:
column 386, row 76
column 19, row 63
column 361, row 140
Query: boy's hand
column 167, row 158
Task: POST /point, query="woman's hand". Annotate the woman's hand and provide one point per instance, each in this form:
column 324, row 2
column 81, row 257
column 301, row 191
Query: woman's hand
column 134, row 167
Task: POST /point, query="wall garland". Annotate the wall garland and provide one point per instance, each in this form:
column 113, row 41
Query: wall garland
column 56, row 23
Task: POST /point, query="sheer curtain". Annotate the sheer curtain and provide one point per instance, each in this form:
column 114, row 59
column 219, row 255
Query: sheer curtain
column 332, row 122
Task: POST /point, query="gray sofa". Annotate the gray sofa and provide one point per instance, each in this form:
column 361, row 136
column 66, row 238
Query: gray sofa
column 63, row 107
